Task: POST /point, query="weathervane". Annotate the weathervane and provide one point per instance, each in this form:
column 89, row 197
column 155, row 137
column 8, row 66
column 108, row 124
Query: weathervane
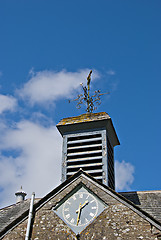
column 88, row 100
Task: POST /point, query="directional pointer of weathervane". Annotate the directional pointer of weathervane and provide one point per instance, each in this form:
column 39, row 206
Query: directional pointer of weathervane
column 85, row 98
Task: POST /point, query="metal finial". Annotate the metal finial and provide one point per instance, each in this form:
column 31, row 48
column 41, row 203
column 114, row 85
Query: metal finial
column 88, row 100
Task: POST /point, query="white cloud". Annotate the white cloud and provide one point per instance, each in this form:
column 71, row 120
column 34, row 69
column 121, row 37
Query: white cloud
column 37, row 164
column 7, row 103
column 47, row 86
column 124, row 175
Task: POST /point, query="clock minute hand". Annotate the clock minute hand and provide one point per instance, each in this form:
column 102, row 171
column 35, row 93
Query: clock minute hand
column 84, row 204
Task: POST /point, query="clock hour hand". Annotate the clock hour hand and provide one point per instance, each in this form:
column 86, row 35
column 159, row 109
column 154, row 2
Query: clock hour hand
column 78, row 211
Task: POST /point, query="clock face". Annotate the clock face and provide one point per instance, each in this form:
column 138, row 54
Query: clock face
column 79, row 209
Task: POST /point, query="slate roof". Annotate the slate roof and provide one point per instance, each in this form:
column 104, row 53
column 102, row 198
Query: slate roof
column 149, row 201
column 145, row 204
column 11, row 215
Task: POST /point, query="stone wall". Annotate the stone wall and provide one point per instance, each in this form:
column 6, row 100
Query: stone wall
column 116, row 222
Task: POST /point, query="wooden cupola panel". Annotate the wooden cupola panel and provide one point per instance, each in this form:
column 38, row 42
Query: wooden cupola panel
column 88, row 143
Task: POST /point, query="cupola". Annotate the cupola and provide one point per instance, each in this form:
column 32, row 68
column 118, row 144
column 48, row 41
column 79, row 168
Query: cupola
column 88, row 143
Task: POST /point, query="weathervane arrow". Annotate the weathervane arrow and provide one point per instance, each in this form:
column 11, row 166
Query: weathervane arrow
column 88, row 100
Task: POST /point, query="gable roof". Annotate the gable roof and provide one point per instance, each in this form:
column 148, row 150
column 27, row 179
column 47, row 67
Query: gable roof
column 19, row 212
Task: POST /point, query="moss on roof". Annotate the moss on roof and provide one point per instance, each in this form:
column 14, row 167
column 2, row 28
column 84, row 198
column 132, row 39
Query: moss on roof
column 87, row 117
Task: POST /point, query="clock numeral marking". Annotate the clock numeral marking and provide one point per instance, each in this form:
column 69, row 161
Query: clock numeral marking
column 81, row 195
column 92, row 201
column 91, row 214
column 68, row 202
column 72, row 220
column 87, row 197
column 94, row 207
column 66, row 209
column 67, row 216
column 74, row 197
column 86, row 220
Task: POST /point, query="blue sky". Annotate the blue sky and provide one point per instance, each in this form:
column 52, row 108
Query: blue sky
column 46, row 49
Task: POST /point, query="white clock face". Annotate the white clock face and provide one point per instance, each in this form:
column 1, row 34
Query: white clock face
column 79, row 208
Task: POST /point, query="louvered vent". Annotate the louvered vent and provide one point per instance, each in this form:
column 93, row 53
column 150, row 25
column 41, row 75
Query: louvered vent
column 85, row 151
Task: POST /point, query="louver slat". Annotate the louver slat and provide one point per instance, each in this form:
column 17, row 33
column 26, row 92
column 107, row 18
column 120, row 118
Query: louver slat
column 84, row 165
column 85, row 140
column 85, row 146
column 83, row 159
column 84, row 152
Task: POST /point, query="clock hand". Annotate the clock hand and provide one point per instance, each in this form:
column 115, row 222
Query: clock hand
column 78, row 211
column 86, row 202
